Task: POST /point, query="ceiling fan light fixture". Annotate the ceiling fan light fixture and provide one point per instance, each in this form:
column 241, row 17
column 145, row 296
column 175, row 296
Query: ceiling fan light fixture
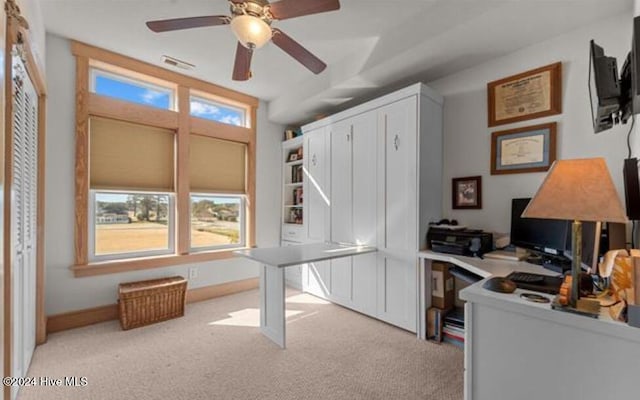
column 252, row 32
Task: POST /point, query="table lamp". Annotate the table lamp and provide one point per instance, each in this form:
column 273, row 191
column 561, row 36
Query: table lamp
column 577, row 190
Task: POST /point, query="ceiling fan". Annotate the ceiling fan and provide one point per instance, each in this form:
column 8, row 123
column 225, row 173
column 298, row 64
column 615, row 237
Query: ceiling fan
column 250, row 21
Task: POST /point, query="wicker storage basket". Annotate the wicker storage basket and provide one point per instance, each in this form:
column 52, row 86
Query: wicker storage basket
column 146, row 302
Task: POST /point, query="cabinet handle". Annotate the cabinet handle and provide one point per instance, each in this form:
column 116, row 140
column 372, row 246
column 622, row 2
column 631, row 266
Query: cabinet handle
column 348, row 137
column 396, row 142
column 314, row 160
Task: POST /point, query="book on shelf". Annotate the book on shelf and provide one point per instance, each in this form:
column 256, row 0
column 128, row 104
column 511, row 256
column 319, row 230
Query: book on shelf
column 456, row 342
column 292, row 133
column 296, row 174
column 435, row 319
column 297, row 196
column 453, row 331
column 455, row 317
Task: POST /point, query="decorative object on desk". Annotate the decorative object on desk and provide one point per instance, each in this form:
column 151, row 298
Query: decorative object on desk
column 528, row 149
column 466, row 193
column 578, row 190
column 500, row 285
column 531, row 94
column 623, row 271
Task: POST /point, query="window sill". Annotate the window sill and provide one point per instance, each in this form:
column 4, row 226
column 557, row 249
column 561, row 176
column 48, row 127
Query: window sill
column 119, row 266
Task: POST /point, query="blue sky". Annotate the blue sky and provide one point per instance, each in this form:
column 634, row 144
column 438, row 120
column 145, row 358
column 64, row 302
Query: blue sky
column 201, row 108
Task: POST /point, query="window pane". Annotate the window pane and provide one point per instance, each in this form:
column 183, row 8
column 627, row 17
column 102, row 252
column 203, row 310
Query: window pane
column 130, row 90
column 131, row 223
column 213, row 111
column 216, row 221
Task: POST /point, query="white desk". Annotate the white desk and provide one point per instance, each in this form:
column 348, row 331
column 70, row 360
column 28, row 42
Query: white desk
column 484, row 268
column 515, row 349
column 274, row 260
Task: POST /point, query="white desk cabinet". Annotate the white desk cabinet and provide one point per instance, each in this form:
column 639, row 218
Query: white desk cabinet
column 519, row 350
column 380, row 155
column 515, row 349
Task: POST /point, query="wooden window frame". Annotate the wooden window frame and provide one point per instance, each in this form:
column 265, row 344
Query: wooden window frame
column 93, row 105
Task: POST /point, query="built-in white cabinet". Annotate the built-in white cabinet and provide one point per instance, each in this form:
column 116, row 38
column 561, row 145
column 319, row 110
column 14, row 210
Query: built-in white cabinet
column 294, row 226
column 316, row 187
column 398, row 210
column 373, row 175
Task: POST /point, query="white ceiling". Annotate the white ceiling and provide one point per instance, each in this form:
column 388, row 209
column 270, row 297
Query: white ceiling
column 367, row 44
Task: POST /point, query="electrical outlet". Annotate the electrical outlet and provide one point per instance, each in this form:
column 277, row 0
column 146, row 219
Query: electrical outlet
column 193, row 273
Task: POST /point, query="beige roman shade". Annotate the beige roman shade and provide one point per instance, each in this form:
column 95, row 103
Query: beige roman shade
column 216, row 165
column 127, row 156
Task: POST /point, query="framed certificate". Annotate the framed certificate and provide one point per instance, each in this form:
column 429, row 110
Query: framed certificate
column 528, row 149
column 532, row 94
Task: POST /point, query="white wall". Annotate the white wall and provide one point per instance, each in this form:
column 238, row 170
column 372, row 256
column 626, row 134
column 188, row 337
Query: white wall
column 31, row 11
column 467, row 140
column 66, row 293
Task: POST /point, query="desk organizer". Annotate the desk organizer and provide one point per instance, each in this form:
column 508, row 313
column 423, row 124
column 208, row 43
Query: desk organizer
column 147, row 302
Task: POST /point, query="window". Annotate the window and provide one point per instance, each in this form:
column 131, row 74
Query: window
column 131, row 224
column 217, row 221
column 132, row 90
column 176, row 182
column 131, row 175
column 214, row 111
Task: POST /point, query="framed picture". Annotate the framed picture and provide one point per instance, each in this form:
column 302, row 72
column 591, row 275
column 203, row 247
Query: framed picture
column 293, row 156
column 466, row 192
column 528, row 149
column 532, row 94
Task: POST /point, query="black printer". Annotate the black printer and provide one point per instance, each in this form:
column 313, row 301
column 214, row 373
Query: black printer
column 463, row 242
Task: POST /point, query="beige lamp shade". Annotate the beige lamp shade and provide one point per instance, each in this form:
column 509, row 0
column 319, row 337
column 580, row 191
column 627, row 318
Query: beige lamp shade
column 580, row 190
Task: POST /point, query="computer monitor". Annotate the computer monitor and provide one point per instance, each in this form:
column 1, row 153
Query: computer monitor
column 546, row 236
column 552, row 237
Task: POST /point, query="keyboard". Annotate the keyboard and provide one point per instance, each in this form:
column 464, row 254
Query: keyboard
column 525, row 277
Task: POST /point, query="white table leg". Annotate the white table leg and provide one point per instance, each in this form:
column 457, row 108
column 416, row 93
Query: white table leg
column 272, row 305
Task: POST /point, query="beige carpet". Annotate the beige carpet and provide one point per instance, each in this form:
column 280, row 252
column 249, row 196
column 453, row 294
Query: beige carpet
column 217, row 352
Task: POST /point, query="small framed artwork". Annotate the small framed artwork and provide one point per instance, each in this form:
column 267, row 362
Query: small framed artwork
column 529, row 95
column 293, row 156
column 528, row 149
column 466, row 193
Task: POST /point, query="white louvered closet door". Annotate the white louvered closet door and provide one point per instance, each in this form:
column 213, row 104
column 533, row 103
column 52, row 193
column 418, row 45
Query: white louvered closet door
column 24, row 217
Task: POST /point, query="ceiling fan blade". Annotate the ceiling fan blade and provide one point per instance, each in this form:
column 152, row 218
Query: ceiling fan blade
column 284, row 9
column 242, row 66
column 187, row 23
column 295, row 50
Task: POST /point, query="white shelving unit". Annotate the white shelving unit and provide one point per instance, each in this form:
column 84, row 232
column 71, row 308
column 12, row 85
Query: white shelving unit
column 293, row 190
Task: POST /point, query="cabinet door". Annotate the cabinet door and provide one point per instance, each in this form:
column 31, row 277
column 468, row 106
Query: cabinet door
column 364, row 128
column 341, row 209
column 341, row 183
column 316, row 190
column 397, row 282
